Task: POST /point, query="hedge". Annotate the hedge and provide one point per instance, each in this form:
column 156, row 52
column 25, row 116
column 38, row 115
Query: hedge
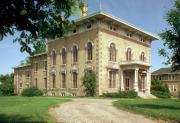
column 161, row 94
column 32, row 91
column 121, row 94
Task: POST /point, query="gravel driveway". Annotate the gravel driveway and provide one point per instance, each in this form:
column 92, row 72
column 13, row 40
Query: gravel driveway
column 94, row 111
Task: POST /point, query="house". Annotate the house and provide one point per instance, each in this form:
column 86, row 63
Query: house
column 171, row 78
column 118, row 52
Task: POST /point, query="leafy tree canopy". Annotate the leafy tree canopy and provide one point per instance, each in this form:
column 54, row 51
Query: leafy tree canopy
column 37, row 20
column 6, row 85
column 171, row 37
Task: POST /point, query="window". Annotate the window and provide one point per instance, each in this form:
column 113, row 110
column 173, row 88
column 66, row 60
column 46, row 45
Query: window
column 75, row 53
column 36, row 83
column 171, row 77
column 45, row 65
column 112, row 79
column 53, row 57
column 172, row 88
column 53, row 81
column 112, row 52
column 36, row 67
column 142, row 57
column 74, row 77
column 112, row 27
column 27, row 85
column 63, row 75
column 175, row 88
column 89, row 50
column 20, row 85
column 129, row 54
column 89, row 26
column 64, row 55
column 45, row 83
column 74, row 31
column 28, row 74
column 142, row 39
column 129, row 34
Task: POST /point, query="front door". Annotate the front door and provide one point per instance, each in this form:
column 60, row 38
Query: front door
column 142, row 83
column 127, row 84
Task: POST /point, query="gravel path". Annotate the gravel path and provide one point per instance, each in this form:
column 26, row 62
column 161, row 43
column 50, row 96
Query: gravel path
column 94, row 111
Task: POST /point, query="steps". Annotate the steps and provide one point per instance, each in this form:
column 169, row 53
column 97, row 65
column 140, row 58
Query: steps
column 146, row 95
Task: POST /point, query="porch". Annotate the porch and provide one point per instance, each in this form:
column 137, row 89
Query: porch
column 129, row 76
column 135, row 76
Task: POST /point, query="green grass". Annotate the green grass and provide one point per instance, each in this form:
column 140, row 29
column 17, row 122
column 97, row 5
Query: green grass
column 28, row 109
column 165, row 109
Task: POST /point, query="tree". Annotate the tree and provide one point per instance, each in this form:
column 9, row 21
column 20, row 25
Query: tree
column 171, row 37
column 89, row 83
column 6, row 86
column 36, row 20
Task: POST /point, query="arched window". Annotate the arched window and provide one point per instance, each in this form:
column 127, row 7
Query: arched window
column 129, row 54
column 112, row 52
column 89, row 50
column 142, row 57
column 53, row 81
column 74, row 77
column 53, row 57
column 63, row 56
column 75, row 53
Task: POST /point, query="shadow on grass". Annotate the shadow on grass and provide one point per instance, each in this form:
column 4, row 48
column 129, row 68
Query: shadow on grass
column 16, row 119
column 154, row 106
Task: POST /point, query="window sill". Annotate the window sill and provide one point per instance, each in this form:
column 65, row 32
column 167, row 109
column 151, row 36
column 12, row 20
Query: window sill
column 75, row 63
column 89, row 61
column 63, row 65
column 74, row 89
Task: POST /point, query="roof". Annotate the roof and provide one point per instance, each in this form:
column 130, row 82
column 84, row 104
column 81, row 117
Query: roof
column 119, row 21
column 167, row 70
column 21, row 66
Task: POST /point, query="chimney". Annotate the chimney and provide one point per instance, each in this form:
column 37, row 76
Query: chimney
column 84, row 9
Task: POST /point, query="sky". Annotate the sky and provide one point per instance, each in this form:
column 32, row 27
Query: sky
column 145, row 14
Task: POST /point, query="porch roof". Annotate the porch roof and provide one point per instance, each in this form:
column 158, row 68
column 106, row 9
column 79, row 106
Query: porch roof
column 134, row 62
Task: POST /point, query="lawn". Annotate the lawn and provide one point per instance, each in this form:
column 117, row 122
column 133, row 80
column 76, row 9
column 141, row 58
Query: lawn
column 165, row 109
column 28, row 109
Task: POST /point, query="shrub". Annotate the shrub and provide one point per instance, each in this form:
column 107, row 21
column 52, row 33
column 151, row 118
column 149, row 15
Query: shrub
column 32, row 91
column 121, row 94
column 179, row 94
column 89, row 83
column 161, row 94
column 160, row 89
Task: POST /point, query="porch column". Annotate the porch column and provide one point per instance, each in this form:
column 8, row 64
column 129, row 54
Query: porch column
column 117, row 80
column 122, row 80
column 148, row 81
column 136, row 71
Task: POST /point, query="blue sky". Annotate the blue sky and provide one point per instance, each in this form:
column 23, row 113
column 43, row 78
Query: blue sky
column 146, row 14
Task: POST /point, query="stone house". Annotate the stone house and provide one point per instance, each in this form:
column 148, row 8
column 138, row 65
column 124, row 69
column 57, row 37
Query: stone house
column 117, row 51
